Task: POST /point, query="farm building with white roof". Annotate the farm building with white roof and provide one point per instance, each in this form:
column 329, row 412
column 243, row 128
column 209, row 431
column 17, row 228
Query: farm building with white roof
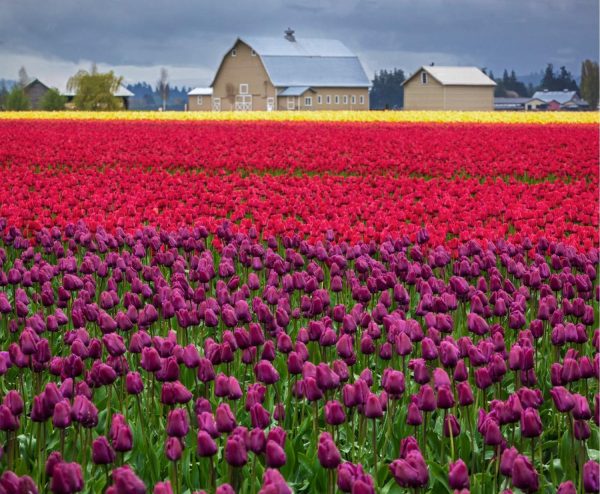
column 449, row 88
column 289, row 73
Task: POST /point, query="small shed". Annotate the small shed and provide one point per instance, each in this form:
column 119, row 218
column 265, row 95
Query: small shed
column 200, row 99
column 35, row 92
column 557, row 100
column 449, row 88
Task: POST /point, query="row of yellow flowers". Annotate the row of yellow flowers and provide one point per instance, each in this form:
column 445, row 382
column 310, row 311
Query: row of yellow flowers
column 327, row 116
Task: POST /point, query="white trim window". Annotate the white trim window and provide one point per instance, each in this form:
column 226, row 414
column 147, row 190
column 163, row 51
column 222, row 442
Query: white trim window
column 234, row 52
column 270, row 104
column 336, row 99
column 290, row 103
column 199, row 100
column 423, row 77
column 345, row 99
column 243, row 88
column 253, row 53
column 328, row 99
column 353, row 99
column 216, row 104
column 308, row 101
column 361, row 99
column 319, row 100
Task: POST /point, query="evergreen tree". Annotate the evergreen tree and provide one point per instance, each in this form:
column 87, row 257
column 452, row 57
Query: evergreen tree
column 557, row 82
column 16, row 99
column 3, row 95
column 387, row 91
column 53, row 100
column 590, row 83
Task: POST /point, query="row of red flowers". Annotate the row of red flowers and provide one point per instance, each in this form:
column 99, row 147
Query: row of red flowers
column 526, row 151
column 353, row 208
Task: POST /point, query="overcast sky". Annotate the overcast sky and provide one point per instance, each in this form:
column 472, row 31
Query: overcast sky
column 136, row 37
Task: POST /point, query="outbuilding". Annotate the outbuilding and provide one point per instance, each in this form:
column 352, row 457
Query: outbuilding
column 35, row 92
column 199, row 99
column 449, row 88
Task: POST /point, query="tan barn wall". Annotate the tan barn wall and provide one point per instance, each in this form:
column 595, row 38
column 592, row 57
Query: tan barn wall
column 418, row 96
column 244, row 68
column 299, row 102
column 205, row 105
column 469, row 98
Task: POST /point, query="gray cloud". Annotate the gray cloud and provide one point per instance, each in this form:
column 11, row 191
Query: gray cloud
column 519, row 34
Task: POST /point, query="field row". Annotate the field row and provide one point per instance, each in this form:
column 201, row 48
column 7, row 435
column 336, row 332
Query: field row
column 513, row 152
column 353, row 208
column 324, row 116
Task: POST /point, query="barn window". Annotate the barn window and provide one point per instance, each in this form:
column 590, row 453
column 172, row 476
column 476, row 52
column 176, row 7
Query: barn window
column 353, row 99
column 319, row 100
column 199, row 100
column 423, row 77
column 361, row 99
column 234, row 53
column 308, row 101
column 345, row 99
column 243, row 88
column 328, row 99
column 253, row 53
column 337, row 99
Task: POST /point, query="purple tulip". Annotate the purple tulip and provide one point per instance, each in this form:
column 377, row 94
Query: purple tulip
column 327, row 452
column 591, row 476
column 458, row 475
column 274, row 455
column 173, row 448
column 67, row 478
column 102, row 452
column 524, row 476
column 235, row 451
column 206, row 445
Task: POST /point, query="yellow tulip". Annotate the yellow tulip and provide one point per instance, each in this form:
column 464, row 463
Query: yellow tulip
column 326, row 116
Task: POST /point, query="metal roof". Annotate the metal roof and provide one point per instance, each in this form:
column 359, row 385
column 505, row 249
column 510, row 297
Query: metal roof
column 313, row 62
column 201, row 91
column 456, row 76
column 294, row 91
column 302, row 47
column 559, row 96
column 517, row 101
column 315, row 71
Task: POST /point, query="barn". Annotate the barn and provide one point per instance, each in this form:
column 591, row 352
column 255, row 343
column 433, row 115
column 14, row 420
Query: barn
column 449, row 88
column 35, row 92
column 289, row 73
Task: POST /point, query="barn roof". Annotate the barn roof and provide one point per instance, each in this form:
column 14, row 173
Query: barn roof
column 559, row 96
column 307, row 62
column 456, row 76
column 201, row 91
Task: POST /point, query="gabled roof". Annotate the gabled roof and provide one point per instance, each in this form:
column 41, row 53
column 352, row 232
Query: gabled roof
column 559, row 96
column 33, row 82
column 306, row 62
column 455, row 76
column 294, row 91
column 201, row 91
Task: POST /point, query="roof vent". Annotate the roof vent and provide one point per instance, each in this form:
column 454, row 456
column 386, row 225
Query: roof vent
column 565, row 90
column 289, row 34
column 545, row 90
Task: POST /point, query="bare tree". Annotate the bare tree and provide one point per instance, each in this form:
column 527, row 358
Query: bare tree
column 163, row 87
column 23, row 77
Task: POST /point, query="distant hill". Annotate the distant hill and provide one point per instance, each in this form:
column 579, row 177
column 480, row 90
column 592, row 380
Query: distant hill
column 148, row 98
column 7, row 83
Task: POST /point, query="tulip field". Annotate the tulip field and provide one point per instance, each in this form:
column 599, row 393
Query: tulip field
column 383, row 302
